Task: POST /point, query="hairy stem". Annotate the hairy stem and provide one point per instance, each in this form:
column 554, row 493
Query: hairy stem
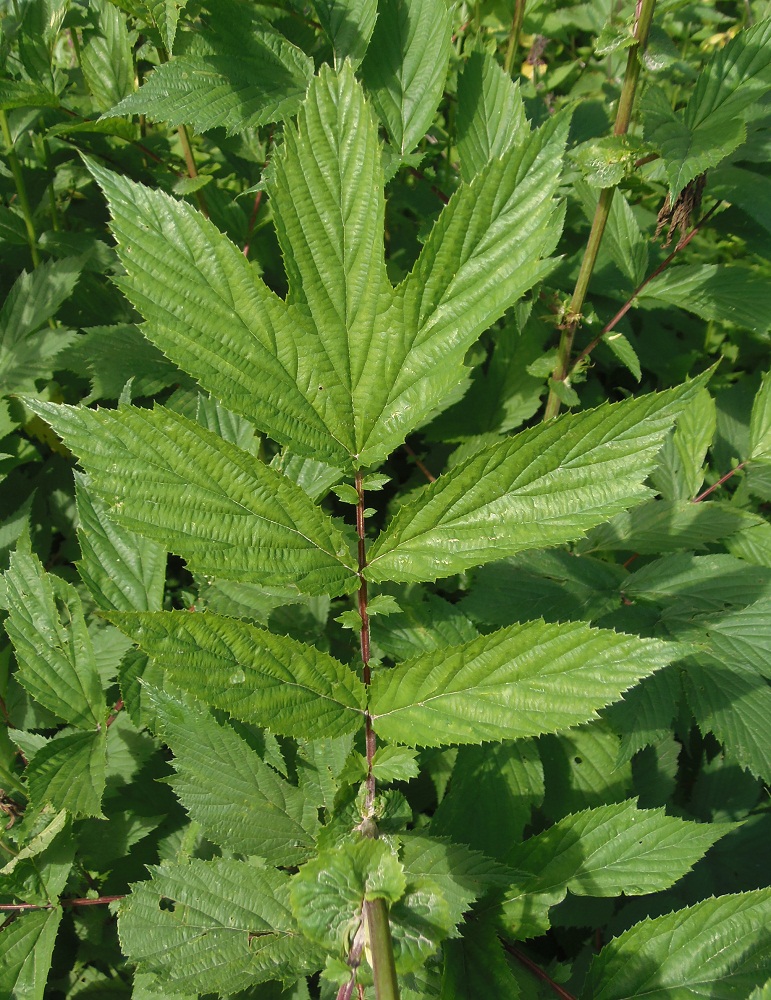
column 623, row 117
column 21, row 907
column 21, row 188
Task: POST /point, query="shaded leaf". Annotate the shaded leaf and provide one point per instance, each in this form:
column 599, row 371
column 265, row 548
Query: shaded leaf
column 214, row 926
column 719, row 944
column 406, row 65
column 26, row 947
column 56, row 658
column 239, row 802
column 69, row 773
column 491, row 115
column 238, row 72
column 603, row 852
column 225, row 512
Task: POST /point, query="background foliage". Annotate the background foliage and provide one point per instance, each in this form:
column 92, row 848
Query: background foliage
column 260, row 361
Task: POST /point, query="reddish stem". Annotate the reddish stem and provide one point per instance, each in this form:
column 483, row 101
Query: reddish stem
column 536, row 970
column 429, row 476
column 654, row 274
column 369, row 732
column 115, row 712
column 19, row 907
column 719, row 483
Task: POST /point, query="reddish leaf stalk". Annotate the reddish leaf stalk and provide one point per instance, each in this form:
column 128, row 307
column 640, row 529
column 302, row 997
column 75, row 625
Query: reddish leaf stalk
column 718, row 484
column 20, row 907
column 364, row 639
column 654, row 274
column 536, row 970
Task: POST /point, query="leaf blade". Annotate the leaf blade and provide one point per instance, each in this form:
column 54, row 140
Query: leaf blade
column 530, row 491
column 520, row 681
column 227, row 513
column 256, row 676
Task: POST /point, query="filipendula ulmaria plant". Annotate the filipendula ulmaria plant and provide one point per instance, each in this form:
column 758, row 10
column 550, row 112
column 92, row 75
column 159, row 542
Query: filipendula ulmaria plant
column 320, row 868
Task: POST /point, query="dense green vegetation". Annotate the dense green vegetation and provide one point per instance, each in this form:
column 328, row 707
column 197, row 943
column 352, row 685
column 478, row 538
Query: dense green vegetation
column 386, row 449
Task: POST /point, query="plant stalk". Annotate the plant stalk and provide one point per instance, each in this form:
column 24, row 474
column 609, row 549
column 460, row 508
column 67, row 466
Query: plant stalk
column 366, row 674
column 381, row 949
column 21, row 188
column 514, row 33
column 623, row 116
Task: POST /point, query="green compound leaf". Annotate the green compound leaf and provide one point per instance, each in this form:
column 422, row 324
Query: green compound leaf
column 237, row 72
column 239, row 802
column 214, row 927
column 46, row 626
column 69, row 773
column 223, row 510
column 347, row 366
column 258, row 677
column 26, row 947
column 719, row 947
column 520, row 681
column 605, row 851
column 406, row 66
column 712, row 124
column 122, row 570
column 545, row 486
column 328, row 893
column 491, row 115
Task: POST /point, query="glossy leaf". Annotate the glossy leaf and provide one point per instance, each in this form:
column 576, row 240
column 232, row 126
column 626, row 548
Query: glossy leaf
column 520, row 681
column 406, row 66
column 271, row 680
column 535, row 489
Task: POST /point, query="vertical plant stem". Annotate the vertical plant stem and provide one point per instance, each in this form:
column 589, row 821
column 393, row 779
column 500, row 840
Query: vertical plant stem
column 623, row 116
column 187, row 149
column 381, row 949
column 374, row 912
column 366, row 675
column 21, row 189
column 514, row 33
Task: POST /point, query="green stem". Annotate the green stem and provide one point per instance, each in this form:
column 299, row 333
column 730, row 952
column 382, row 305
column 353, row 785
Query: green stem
column 381, row 949
column 21, row 189
column 369, row 733
column 621, row 127
column 514, row 33
column 187, row 149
